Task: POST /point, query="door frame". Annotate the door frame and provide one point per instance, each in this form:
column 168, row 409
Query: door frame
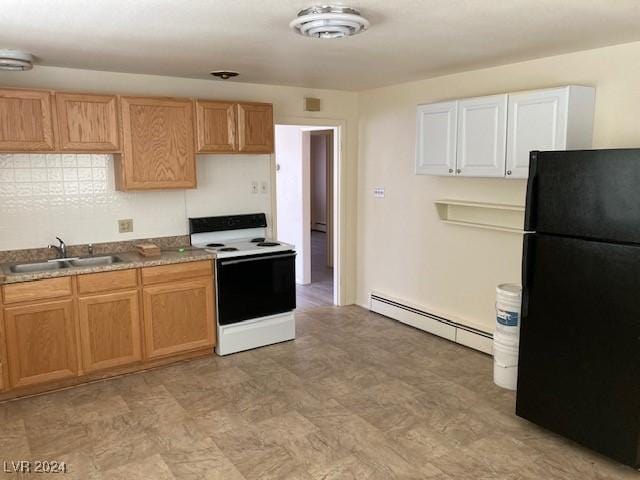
column 328, row 136
column 339, row 192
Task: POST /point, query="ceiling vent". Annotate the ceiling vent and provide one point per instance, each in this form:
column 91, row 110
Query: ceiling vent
column 15, row 60
column 329, row 22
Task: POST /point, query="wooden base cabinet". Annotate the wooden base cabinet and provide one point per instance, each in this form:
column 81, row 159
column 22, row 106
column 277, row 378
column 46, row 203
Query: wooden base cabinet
column 178, row 317
column 4, row 383
column 41, row 342
column 109, row 330
column 64, row 331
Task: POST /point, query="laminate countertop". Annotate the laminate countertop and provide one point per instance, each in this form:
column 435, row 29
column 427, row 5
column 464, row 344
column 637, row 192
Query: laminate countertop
column 128, row 260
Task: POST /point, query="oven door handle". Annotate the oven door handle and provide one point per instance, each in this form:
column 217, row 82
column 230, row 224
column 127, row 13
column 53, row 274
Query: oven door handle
column 244, row 260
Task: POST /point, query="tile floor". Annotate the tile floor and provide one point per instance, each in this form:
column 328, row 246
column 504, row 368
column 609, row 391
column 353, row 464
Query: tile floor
column 356, row 396
column 319, row 293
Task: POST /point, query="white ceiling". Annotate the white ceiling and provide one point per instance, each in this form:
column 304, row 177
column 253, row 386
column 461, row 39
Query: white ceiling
column 408, row 39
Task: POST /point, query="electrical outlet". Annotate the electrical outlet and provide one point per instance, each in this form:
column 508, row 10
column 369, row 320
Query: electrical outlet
column 254, row 187
column 264, row 187
column 378, row 192
column 126, row 225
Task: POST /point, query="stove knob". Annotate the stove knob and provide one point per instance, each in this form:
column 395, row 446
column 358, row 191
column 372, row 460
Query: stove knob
column 451, row 170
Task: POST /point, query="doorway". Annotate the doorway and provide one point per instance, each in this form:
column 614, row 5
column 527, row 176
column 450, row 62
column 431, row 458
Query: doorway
column 305, row 208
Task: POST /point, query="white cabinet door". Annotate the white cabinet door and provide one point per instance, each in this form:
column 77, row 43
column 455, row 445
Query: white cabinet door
column 537, row 121
column 482, row 131
column 436, row 139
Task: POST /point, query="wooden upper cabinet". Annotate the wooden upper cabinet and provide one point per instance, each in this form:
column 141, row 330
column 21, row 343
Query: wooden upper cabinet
column 87, row 122
column 25, row 121
column 158, row 144
column 255, row 128
column 216, row 126
column 41, row 342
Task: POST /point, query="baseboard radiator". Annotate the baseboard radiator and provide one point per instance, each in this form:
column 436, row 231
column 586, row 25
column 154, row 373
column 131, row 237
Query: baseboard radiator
column 431, row 323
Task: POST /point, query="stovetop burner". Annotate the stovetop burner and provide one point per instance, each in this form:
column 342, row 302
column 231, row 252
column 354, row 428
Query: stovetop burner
column 215, row 244
column 257, row 240
column 228, row 249
column 268, row 244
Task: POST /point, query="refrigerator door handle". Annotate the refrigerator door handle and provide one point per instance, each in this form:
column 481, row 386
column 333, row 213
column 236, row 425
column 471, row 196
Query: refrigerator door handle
column 531, row 198
column 527, row 260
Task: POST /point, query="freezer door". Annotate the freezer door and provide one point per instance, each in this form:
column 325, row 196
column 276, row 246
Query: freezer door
column 579, row 362
column 585, row 193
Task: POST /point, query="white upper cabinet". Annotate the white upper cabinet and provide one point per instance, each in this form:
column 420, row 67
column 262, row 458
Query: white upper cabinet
column 554, row 119
column 492, row 136
column 481, row 136
column 436, row 139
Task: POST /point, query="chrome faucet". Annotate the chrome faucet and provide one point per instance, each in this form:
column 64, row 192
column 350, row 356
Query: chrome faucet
column 61, row 250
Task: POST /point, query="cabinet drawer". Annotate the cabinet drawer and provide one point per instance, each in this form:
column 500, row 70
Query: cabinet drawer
column 37, row 290
column 104, row 281
column 178, row 271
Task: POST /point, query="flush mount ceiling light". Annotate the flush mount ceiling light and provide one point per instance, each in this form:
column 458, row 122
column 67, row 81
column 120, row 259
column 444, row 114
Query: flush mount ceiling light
column 15, row 60
column 330, row 21
column 224, row 74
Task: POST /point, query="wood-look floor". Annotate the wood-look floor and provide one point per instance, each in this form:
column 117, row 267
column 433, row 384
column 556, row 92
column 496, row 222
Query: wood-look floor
column 319, row 293
column 355, row 396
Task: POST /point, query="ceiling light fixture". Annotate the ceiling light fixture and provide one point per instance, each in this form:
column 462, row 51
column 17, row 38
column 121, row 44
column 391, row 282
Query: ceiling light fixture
column 15, row 60
column 224, row 74
column 329, row 21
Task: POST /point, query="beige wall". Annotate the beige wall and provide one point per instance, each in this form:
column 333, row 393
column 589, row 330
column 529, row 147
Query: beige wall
column 338, row 106
column 403, row 249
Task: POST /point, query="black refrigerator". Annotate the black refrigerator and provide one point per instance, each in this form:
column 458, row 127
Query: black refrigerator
column 579, row 360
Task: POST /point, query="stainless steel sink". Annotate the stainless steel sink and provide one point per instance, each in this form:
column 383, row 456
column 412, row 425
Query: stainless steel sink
column 95, row 261
column 36, row 267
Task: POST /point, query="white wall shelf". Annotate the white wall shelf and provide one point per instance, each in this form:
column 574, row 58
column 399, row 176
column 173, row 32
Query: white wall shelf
column 492, row 216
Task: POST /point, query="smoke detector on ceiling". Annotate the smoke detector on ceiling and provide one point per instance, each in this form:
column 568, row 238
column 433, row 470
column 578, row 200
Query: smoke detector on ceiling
column 330, row 21
column 224, row 74
column 15, row 60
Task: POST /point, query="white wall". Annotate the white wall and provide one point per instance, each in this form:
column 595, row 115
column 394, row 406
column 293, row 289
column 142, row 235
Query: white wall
column 293, row 200
column 224, row 180
column 403, row 249
column 73, row 196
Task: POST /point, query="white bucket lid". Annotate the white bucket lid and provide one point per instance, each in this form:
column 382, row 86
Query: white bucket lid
column 509, row 290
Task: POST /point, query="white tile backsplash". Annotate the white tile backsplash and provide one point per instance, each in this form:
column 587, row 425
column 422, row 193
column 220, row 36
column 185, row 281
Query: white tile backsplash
column 73, row 196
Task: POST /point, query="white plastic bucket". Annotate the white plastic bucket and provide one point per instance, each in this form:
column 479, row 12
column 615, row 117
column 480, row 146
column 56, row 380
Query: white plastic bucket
column 508, row 300
column 505, row 361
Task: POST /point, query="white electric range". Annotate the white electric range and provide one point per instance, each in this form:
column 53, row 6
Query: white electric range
column 254, row 278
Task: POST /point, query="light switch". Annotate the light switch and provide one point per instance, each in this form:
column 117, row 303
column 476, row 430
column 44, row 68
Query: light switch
column 254, row 186
column 378, row 192
column 264, row 187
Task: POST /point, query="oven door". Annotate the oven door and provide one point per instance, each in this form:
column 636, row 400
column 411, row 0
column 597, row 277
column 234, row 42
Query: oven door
column 255, row 286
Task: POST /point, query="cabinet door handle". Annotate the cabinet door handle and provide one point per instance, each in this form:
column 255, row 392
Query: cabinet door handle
column 508, row 172
column 458, row 171
column 451, row 170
